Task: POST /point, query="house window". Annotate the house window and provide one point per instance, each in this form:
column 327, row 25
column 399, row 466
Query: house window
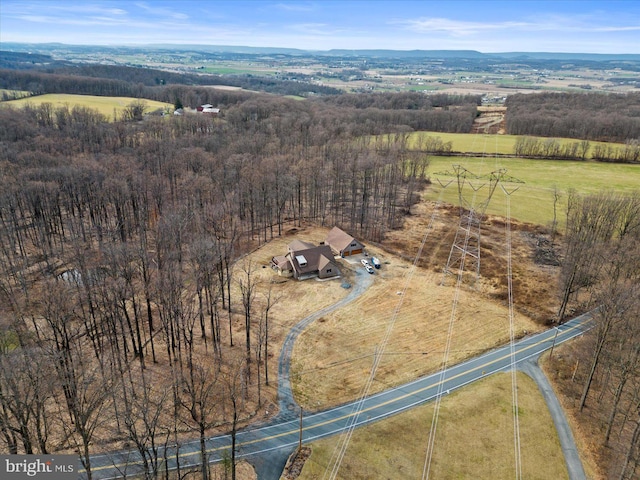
column 328, row 270
column 353, row 244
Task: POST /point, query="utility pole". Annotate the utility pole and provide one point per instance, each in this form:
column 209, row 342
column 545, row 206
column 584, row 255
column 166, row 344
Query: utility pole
column 467, row 239
column 554, row 342
column 300, row 436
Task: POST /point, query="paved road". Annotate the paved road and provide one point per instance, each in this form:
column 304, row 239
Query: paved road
column 283, row 436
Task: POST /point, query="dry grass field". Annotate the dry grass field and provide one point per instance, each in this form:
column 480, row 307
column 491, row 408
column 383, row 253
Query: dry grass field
column 474, row 439
column 332, row 358
column 107, row 106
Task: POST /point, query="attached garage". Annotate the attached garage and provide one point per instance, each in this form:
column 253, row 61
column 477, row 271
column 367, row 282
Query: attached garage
column 342, row 243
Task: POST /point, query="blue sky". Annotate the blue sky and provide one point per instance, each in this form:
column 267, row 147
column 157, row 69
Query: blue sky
column 487, row 26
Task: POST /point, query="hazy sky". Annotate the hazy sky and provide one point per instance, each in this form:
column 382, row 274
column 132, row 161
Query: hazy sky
column 487, row 26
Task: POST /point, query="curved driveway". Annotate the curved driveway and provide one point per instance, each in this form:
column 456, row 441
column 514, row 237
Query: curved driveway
column 286, row 401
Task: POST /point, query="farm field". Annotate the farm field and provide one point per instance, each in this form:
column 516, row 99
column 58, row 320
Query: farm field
column 533, row 201
column 490, row 145
column 473, row 438
column 105, row 105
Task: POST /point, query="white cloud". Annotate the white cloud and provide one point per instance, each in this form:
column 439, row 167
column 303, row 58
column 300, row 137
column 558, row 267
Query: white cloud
column 547, row 23
column 295, row 7
column 162, row 12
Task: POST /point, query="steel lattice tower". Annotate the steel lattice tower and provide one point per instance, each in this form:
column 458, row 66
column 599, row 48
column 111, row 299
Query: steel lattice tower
column 465, row 250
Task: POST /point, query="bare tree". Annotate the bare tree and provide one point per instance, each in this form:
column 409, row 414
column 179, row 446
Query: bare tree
column 248, row 283
column 142, row 421
column 199, row 398
column 233, row 381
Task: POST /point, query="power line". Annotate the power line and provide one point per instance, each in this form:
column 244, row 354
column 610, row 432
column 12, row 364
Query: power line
column 514, row 376
column 343, row 443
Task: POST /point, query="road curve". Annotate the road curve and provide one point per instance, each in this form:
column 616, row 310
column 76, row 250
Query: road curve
column 284, row 435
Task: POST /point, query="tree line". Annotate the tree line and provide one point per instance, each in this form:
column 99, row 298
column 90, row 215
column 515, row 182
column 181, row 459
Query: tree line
column 585, row 116
column 124, row 81
column 600, row 271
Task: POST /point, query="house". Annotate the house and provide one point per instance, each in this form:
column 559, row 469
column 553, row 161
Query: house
column 342, row 243
column 306, row 260
column 208, row 108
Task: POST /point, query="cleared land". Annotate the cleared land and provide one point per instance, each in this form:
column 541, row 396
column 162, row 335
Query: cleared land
column 107, row 106
column 491, row 144
column 473, row 439
column 533, row 201
column 332, row 358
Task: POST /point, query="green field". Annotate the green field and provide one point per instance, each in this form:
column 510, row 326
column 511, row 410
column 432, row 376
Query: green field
column 487, row 144
column 105, row 105
column 532, row 201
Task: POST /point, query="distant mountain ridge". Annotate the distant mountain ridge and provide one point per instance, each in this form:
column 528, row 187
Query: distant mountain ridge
column 378, row 53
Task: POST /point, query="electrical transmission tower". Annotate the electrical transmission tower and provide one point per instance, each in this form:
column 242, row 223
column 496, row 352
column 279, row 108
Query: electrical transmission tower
column 465, row 250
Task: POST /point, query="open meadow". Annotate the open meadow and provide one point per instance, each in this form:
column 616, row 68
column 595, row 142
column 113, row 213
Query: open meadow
column 490, row 144
column 107, row 106
column 533, row 201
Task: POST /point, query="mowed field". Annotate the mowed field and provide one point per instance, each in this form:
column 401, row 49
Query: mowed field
column 533, row 200
column 489, row 145
column 107, row 106
column 474, row 439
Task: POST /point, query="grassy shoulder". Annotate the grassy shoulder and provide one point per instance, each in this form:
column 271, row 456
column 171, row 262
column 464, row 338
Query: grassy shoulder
column 473, row 439
column 107, row 106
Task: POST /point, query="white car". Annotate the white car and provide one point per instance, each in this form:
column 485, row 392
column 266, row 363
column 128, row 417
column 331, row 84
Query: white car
column 369, row 268
column 364, row 262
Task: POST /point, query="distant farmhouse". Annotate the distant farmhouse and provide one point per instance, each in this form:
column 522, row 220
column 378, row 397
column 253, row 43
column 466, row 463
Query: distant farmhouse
column 342, row 243
column 208, row 108
column 305, row 260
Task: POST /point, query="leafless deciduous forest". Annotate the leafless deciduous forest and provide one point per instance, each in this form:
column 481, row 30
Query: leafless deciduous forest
column 585, row 116
column 601, row 272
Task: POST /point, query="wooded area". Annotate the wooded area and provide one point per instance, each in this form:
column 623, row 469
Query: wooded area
column 118, row 243
column 601, row 272
column 585, row 116
column 117, row 286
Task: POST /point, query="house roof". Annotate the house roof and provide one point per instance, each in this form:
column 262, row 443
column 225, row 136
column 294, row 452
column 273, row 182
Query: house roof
column 339, row 239
column 282, row 262
column 299, row 246
column 317, row 257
